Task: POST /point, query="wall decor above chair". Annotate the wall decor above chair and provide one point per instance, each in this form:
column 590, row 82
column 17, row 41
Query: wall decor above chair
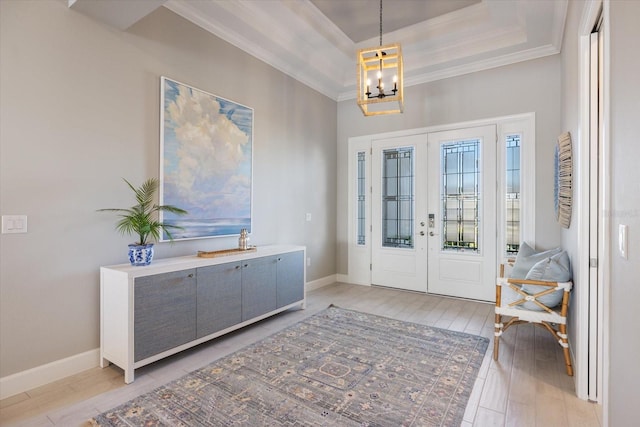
column 563, row 181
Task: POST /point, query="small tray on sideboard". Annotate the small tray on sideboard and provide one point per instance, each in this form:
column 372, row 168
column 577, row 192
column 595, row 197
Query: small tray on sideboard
column 225, row 252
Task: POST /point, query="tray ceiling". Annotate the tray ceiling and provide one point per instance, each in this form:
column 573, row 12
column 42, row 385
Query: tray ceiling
column 315, row 41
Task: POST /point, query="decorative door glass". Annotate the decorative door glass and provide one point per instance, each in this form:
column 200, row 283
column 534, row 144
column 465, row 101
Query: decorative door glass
column 512, row 201
column 362, row 199
column 460, row 195
column 398, row 198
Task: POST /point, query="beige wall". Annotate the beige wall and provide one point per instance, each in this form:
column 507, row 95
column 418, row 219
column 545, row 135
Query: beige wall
column 531, row 86
column 79, row 107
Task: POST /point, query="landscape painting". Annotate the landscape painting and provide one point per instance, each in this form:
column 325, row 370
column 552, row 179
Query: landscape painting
column 206, row 162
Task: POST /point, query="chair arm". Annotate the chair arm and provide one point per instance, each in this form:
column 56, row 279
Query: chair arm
column 529, row 295
column 566, row 286
column 503, row 281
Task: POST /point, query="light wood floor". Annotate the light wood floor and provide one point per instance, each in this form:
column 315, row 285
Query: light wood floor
column 527, row 386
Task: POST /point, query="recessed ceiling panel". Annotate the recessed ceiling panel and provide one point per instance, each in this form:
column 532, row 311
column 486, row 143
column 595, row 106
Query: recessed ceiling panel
column 360, row 19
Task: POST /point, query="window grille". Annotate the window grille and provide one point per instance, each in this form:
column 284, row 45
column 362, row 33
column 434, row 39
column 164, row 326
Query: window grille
column 398, row 198
column 362, row 198
column 460, row 195
column 512, row 194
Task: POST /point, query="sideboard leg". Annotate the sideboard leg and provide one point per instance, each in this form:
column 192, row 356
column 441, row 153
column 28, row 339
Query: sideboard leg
column 128, row 376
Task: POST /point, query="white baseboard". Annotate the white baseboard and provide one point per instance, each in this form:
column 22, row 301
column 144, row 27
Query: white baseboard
column 40, row 375
column 319, row 283
column 343, row 278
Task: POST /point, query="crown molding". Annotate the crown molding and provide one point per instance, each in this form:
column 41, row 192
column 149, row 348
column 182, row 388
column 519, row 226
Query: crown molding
column 294, row 37
column 481, row 65
column 283, row 34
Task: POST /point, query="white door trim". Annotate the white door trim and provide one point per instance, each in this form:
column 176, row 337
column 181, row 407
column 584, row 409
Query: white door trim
column 359, row 255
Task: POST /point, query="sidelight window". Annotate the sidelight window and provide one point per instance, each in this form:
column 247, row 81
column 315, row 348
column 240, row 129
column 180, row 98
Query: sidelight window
column 512, row 194
column 361, row 199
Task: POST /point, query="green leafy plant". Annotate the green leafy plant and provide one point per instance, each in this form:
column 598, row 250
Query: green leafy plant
column 142, row 218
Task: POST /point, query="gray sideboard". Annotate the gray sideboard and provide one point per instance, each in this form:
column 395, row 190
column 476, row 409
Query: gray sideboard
column 148, row 313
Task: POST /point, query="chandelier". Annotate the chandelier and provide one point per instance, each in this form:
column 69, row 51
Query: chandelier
column 380, row 83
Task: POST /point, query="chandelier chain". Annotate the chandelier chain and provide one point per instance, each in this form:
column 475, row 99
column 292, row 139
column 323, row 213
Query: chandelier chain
column 380, row 22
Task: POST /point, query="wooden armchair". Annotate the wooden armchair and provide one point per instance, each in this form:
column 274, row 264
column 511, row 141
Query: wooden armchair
column 523, row 307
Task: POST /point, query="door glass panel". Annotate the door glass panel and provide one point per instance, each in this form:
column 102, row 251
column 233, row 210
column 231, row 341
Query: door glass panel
column 362, row 195
column 512, row 201
column 397, row 198
column 460, row 195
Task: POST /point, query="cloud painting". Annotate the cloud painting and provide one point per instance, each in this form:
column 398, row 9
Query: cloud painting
column 206, row 144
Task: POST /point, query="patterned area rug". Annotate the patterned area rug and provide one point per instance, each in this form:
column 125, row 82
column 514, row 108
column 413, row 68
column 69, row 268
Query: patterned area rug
column 336, row 368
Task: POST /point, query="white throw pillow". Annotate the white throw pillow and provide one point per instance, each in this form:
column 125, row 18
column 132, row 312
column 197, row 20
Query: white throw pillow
column 553, row 269
column 527, row 257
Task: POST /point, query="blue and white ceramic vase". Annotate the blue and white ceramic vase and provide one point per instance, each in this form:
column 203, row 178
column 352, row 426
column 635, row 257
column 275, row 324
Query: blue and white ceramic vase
column 141, row 254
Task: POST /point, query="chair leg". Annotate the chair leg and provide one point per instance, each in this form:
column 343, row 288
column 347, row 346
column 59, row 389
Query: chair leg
column 564, row 342
column 496, row 335
column 498, row 318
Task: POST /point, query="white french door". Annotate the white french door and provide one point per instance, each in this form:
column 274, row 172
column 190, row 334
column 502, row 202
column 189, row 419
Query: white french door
column 398, row 208
column 462, row 213
column 424, row 212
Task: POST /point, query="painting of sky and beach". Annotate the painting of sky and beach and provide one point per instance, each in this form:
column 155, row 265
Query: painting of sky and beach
column 206, row 160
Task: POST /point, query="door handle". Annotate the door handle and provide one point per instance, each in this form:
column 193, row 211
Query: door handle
column 431, row 233
column 422, row 233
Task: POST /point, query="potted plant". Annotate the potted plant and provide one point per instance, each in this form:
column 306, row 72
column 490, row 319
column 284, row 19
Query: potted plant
column 142, row 220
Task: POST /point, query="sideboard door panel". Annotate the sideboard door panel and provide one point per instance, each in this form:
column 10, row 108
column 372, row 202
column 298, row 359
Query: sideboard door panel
column 165, row 312
column 219, row 298
column 290, row 276
column 258, row 287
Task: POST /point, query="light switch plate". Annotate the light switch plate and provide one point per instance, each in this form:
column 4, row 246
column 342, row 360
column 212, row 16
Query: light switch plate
column 622, row 240
column 14, row 224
